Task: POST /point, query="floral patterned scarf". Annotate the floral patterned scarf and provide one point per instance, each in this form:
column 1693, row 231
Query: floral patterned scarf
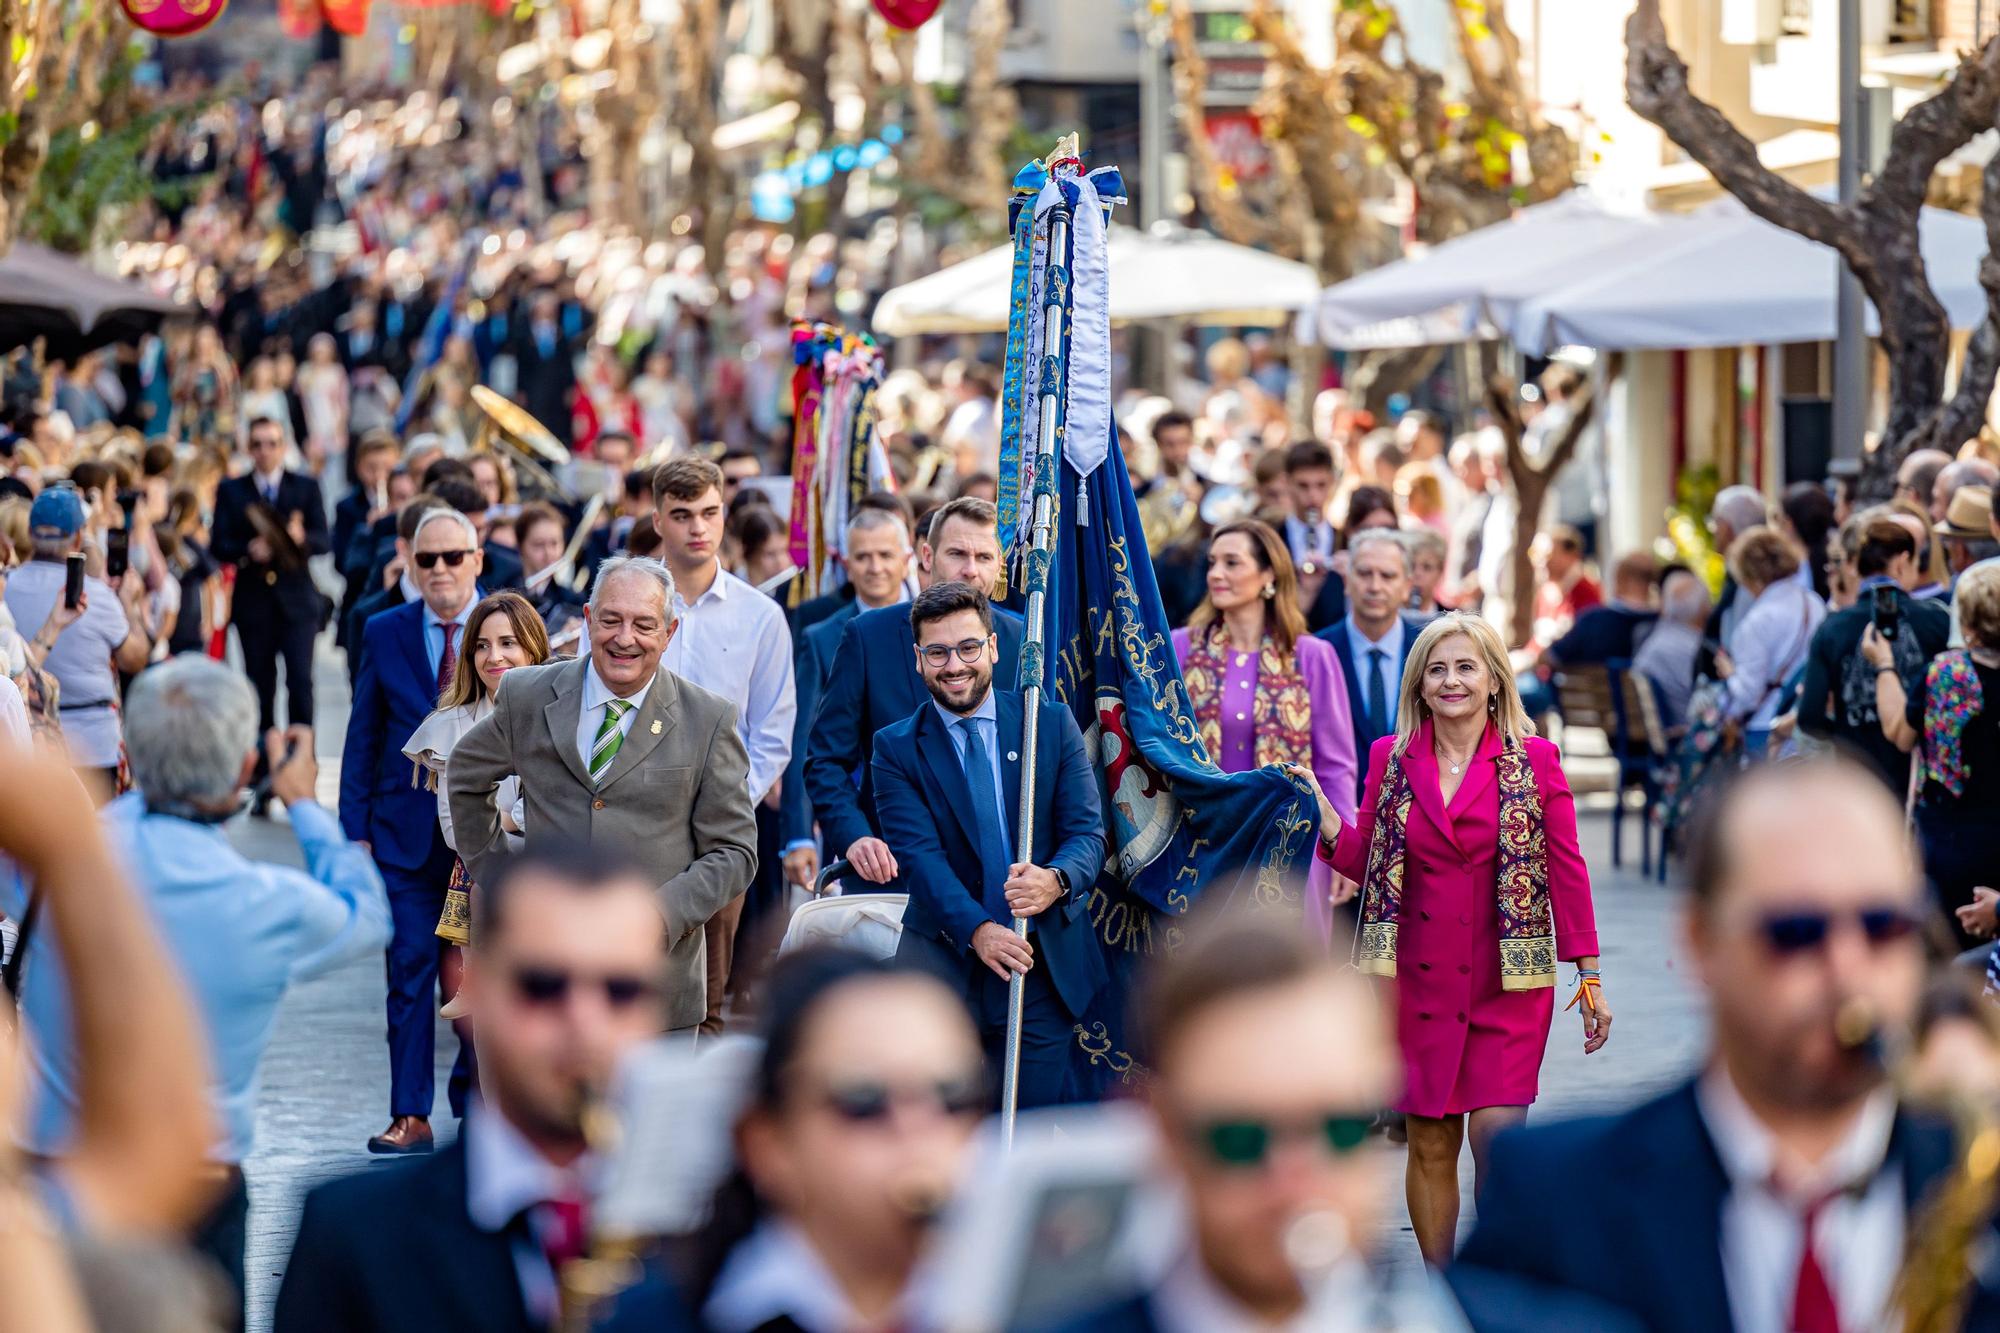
column 1282, row 713
column 1527, row 925
column 1952, row 698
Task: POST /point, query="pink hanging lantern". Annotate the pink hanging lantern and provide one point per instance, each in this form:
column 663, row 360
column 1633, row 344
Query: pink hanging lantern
column 173, row 18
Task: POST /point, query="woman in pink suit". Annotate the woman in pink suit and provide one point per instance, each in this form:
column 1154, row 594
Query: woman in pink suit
column 1472, row 886
column 1263, row 690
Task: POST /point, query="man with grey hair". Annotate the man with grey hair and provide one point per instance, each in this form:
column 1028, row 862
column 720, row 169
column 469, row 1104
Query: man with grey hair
column 1374, row 638
column 1668, row 655
column 408, row 657
column 242, row 931
column 1735, row 511
column 611, row 748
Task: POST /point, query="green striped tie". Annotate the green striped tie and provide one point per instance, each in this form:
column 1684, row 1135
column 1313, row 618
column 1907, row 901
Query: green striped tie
column 609, row 739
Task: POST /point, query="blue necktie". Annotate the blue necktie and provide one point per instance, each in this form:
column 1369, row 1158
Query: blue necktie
column 989, row 822
column 1378, row 693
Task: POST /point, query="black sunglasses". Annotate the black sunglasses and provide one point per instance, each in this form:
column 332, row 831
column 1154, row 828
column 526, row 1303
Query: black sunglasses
column 1243, row 1144
column 1789, row 933
column 551, row 986
column 869, row 1102
column 968, row 650
column 429, row 559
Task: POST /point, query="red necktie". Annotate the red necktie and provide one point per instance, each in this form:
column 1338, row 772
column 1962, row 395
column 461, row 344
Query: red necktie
column 563, row 1235
column 447, row 660
column 1813, row 1308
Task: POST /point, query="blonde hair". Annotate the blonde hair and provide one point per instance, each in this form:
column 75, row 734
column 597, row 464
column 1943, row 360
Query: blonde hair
column 1506, row 710
column 1978, row 600
column 1762, row 557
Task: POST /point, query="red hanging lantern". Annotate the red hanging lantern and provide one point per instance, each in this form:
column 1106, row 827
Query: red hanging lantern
column 298, row 18
column 173, row 18
column 349, row 18
column 907, row 14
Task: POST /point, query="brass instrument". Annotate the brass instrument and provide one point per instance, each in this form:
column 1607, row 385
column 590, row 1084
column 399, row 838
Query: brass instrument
column 588, row 1284
column 537, row 455
column 286, row 557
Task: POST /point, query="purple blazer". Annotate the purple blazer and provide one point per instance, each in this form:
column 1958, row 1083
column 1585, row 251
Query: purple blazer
column 1333, row 758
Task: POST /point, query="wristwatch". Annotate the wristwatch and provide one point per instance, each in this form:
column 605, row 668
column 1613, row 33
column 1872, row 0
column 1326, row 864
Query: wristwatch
column 1062, row 882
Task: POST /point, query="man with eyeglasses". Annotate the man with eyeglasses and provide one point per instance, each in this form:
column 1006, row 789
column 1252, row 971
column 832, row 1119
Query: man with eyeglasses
column 948, row 788
column 408, row 656
column 1779, row 1188
column 1268, row 1059
column 565, row 981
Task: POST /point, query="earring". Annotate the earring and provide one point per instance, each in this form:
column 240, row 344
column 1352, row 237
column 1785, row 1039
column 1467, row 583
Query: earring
column 1270, row 591
column 1493, row 703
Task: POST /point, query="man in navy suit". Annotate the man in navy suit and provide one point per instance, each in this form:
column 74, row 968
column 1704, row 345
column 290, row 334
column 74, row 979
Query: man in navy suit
column 1782, row 1187
column 1268, row 1059
column 948, row 790
column 1374, row 638
column 407, row 658
column 566, row 980
column 277, row 610
column 878, row 558
column 873, row 681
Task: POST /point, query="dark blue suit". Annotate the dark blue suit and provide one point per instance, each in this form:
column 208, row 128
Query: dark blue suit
column 381, row 805
column 1365, row 734
column 925, row 803
column 873, row 682
column 392, row 1248
column 1651, row 1256
column 811, row 666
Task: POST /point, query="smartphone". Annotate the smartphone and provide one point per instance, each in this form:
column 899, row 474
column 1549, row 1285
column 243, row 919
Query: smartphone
column 1888, row 611
column 73, row 585
column 117, row 553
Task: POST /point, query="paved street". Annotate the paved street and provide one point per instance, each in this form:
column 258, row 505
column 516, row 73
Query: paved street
column 326, row 1075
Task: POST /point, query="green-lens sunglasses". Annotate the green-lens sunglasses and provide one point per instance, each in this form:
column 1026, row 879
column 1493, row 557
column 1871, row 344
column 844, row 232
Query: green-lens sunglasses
column 1247, row 1143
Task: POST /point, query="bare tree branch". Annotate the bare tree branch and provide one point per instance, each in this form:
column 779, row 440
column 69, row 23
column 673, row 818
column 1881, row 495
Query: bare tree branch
column 1531, row 479
column 1964, row 413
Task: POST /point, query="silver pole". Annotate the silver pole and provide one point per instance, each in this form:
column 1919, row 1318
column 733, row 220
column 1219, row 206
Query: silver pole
column 1055, row 358
column 1851, row 362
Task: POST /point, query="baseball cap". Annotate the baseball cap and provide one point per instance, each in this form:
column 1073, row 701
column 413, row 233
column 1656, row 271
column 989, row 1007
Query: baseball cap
column 57, row 513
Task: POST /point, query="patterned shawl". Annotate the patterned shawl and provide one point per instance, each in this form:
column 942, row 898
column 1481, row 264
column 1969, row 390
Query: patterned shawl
column 1282, row 713
column 1952, row 698
column 1527, row 925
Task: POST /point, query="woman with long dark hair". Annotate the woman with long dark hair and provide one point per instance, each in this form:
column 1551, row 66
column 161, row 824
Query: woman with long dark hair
column 864, row 1101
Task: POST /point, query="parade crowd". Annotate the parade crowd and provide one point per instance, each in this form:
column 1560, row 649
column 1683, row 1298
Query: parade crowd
column 597, row 753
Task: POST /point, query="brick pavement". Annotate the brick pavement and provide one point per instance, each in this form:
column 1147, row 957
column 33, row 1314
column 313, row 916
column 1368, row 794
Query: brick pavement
column 325, row 1077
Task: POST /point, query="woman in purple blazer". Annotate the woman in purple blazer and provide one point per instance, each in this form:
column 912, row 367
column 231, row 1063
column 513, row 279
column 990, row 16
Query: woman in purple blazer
column 1264, row 690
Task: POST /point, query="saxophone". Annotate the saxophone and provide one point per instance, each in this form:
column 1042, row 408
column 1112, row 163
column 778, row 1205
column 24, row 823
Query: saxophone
column 1943, row 1252
column 609, row 1264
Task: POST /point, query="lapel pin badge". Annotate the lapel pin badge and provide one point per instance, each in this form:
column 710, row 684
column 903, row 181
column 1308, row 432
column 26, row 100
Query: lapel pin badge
column 1013, row 757
column 656, row 727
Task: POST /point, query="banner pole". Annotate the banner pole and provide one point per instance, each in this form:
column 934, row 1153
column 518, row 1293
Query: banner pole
column 1063, row 164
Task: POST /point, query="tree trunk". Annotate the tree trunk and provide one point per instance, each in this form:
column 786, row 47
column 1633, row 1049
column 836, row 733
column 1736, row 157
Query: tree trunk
column 1530, row 479
column 1876, row 236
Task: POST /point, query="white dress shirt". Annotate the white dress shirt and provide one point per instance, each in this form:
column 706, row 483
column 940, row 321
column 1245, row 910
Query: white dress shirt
column 776, row 1274
column 505, row 1177
column 1859, row 1234
column 1188, row 1300
column 1309, row 541
column 732, row 641
column 596, row 694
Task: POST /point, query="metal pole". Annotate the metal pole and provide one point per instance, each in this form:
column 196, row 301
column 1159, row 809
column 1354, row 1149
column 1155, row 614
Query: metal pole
column 1055, row 359
column 1150, row 358
column 1851, row 360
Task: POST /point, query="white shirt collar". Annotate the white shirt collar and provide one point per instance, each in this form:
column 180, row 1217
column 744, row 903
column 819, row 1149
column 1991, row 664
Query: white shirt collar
column 718, row 589
column 1749, row 1152
column 986, row 710
column 504, row 1174
column 774, row 1274
column 269, row 481
column 596, row 693
column 1188, row 1300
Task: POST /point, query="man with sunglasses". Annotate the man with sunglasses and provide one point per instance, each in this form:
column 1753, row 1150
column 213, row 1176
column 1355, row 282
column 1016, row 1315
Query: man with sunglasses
column 1268, row 1059
column 1778, row 1188
column 565, row 981
column 408, row 656
column 948, row 787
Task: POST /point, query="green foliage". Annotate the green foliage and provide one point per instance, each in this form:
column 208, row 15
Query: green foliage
column 90, row 175
column 1688, row 541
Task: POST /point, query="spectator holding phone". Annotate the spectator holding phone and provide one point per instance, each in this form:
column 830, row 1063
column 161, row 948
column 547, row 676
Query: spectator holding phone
column 1954, row 713
column 110, row 635
column 1837, row 700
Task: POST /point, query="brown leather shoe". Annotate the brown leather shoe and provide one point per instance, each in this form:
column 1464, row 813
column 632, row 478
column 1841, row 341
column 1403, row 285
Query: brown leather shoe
column 406, row 1134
